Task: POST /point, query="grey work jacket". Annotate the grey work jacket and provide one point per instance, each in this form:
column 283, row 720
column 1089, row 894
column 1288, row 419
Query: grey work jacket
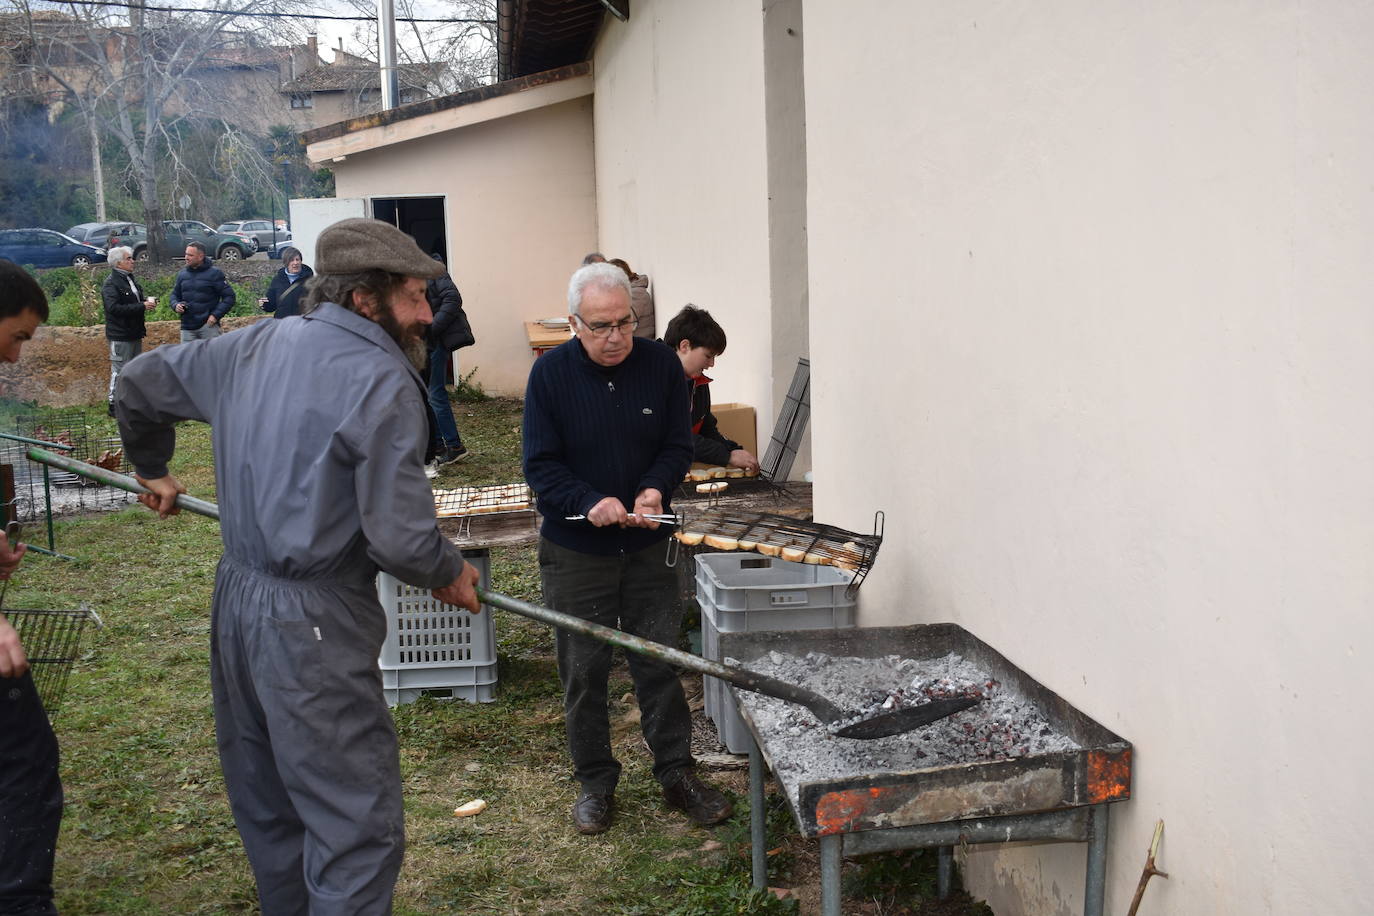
column 319, row 438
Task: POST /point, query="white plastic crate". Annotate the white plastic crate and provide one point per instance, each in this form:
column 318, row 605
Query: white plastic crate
column 474, row 683
column 748, row 593
column 435, row 648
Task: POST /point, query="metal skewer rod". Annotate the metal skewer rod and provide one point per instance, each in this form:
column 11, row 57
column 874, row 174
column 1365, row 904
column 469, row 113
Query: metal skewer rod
column 666, row 519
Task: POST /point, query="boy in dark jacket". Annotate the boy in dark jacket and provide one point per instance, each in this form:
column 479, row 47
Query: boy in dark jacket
column 125, row 305
column 201, row 295
column 697, row 339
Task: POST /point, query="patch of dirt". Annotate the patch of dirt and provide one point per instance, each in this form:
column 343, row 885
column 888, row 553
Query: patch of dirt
column 62, row 367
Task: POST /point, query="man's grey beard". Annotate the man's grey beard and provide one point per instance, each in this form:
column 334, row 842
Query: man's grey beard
column 415, row 349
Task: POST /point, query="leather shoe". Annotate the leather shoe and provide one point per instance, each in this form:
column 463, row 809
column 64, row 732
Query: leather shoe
column 591, row 813
column 703, row 804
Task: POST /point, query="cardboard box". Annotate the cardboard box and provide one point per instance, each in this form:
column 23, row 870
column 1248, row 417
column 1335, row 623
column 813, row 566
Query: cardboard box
column 736, row 421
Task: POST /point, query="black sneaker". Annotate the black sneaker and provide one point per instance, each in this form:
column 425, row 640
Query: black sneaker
column 703, row 804
column 449, row 455
column 591, row 813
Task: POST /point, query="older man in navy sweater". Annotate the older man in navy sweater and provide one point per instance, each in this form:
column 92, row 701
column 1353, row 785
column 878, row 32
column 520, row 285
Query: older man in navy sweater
column 607, row 435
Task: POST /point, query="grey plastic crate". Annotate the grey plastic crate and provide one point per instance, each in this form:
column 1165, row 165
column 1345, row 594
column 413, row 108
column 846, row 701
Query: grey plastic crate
column 747, row 592
column 436, row 648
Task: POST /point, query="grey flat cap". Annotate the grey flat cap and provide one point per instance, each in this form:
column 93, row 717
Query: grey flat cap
column 351, row 246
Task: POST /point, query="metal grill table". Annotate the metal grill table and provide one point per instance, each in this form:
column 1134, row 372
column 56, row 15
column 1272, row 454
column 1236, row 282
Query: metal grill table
column 1040, row 797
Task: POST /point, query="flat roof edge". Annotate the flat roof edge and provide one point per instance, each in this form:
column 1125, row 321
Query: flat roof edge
column 446, row 103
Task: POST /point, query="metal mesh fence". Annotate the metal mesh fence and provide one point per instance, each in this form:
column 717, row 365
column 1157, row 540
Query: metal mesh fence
column 92, row 438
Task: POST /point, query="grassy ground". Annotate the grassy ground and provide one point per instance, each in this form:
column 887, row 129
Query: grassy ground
column 147, row 827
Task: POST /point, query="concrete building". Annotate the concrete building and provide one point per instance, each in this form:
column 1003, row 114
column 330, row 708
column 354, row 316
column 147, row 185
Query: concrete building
column 1084, row 291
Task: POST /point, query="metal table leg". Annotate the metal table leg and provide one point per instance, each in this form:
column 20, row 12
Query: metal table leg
column 830, row 874
column 944, row 876
column 757, row 816
column 1095, row 891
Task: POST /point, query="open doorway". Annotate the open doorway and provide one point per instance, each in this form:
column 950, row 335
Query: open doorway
column 420, row 217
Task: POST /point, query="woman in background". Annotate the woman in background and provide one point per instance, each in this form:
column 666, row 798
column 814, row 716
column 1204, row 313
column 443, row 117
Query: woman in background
column 284, row 294
column 641, row 300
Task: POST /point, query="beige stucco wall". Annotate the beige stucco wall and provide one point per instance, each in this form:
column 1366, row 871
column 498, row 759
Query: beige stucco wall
column 1113, row 387
column 681, row 173
column 521, row 212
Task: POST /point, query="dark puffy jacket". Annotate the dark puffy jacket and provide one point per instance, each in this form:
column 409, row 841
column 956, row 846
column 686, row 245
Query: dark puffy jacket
column 451, row 329
column 205, row 292
column 123, row 301
column 283, row 296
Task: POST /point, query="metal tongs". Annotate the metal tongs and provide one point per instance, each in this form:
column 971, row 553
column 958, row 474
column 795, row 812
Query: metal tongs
column 664, row 519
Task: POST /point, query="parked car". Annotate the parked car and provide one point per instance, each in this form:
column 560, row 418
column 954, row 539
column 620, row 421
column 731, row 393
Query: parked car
column 261, row 229
column 176, row 233
column 46, row 248
column 102, row 234
column 277, row 249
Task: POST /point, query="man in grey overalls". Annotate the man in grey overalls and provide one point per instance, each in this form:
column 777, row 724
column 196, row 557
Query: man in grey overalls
column 319, row 433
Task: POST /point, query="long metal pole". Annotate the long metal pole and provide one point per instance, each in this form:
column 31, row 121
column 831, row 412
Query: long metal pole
column 386, row 52
column 740, row 677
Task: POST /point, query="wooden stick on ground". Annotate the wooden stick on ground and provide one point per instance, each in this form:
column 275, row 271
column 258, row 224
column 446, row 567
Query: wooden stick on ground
column 1149, row 870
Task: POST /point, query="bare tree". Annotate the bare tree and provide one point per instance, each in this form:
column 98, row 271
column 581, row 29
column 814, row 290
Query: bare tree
column 459, row 54
column 139, row 80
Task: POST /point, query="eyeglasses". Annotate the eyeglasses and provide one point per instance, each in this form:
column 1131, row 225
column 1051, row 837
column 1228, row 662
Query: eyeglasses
column 625, row 326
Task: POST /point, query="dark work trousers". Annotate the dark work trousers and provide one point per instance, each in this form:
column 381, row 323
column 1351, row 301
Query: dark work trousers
column 637, row 593
column 306, row 741
column 30, row 800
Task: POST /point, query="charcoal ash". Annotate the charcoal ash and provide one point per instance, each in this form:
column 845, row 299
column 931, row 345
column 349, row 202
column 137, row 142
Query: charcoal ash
column 1002, row 726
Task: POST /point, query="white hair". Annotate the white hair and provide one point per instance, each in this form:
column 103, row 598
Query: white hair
column 595, row 276
column 118, row 253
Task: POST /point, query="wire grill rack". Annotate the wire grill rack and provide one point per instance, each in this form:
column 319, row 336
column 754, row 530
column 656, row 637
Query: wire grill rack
column 461, row 501
column 782, row 536
column 52, row 642
column 735, row 485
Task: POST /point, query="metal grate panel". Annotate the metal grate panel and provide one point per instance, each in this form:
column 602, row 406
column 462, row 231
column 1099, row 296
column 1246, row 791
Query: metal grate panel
column 791, row 426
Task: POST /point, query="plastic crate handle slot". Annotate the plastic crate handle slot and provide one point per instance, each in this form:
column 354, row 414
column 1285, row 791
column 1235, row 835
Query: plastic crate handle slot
column 787, row 599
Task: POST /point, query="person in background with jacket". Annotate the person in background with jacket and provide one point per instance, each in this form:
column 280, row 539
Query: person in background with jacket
column 697, row 339
column 288, row 286
column 125, row 305
column 450, row 331
column 30, row 787
column 200, row 295
column 641, row 300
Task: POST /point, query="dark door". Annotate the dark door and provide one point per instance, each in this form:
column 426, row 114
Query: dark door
column 422, row 218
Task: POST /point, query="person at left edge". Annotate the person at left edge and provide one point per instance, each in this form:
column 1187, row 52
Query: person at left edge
column 30, row 788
